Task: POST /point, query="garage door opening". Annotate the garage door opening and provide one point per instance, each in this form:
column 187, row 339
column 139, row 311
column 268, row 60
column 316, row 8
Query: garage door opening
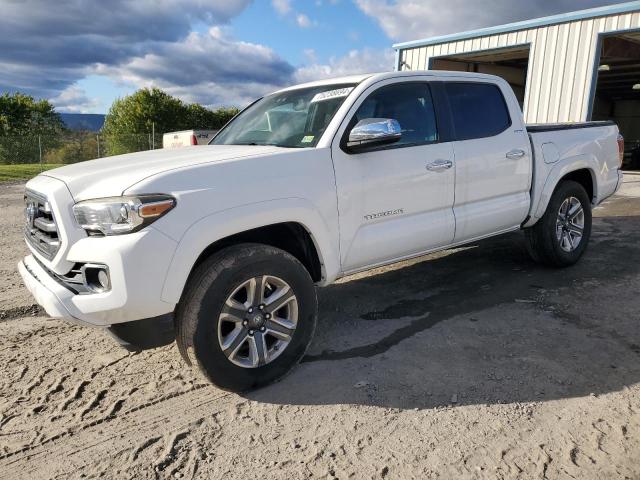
column 617, row 92
column 509, row 63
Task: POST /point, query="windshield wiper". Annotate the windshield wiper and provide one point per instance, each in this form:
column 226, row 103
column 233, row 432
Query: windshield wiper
column 254, row 144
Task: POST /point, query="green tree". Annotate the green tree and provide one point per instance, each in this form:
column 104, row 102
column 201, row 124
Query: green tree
column 74, row 147
column 131, row 119
column 200, row 117
column 22, row 120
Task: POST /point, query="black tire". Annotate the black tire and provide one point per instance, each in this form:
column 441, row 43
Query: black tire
column 541, row 239
column 198, row 313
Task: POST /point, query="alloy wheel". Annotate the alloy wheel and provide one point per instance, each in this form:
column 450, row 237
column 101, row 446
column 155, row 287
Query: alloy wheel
column 257, row 321
column 570, row 224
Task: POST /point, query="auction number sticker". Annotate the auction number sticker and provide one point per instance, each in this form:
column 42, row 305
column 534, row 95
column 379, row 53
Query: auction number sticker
column 329, row 94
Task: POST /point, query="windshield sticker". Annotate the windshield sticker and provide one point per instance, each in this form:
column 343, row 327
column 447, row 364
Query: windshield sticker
column 308, row 139
column 328, row 95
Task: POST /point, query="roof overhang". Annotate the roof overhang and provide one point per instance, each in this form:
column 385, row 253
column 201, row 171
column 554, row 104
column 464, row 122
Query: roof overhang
column 618, row 9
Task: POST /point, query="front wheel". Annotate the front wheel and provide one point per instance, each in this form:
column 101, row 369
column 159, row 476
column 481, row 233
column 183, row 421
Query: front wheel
column 247, row 316
column 562, row 234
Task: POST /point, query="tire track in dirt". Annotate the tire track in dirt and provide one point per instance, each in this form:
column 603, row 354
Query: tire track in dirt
column 75, row 395
column 81, row 386
column 83, row 444
column 46, row 399
column 135, row 453
column 36, row 381
column 94, row 402
column 116, row 406
column 23, row 372
column 56, row 387
column 32, row 310
column 169, row 459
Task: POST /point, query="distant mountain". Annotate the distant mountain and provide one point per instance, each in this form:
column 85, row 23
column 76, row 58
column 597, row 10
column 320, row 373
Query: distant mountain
column 91, row 122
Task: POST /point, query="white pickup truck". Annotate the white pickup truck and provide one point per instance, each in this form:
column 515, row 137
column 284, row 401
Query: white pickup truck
column 219, row 247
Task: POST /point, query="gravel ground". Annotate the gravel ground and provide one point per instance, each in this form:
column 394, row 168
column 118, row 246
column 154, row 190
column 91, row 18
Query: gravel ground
column 472, row 363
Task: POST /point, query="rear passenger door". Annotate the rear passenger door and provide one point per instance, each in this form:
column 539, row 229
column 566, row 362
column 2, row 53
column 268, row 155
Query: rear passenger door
column 493, row 160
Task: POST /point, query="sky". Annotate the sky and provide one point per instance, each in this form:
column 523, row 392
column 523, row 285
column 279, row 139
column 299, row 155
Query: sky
column 82, row 54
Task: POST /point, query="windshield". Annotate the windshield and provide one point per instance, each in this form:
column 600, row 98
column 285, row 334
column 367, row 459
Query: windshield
column 294, row 119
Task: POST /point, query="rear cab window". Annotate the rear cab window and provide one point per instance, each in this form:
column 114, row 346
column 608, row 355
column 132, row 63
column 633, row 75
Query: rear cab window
column 478, row 110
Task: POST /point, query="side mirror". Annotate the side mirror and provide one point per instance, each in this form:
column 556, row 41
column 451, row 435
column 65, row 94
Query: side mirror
column 373, row 132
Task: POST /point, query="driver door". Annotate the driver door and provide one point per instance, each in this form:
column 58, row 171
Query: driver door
column 396, row 200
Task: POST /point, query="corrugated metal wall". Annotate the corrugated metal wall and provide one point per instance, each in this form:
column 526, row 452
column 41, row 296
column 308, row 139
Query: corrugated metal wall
column 561, row 63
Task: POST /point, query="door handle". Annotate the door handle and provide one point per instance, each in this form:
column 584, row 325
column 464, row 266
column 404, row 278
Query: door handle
column 515, row 154
column 439, row 165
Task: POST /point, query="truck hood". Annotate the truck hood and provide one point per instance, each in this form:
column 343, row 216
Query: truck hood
column 111, row 176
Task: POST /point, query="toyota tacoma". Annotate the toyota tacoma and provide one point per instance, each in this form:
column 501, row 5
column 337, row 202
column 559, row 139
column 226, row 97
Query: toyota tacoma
column 220, row 247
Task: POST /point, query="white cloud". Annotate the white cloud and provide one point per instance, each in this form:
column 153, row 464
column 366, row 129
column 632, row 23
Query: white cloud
column 311, row 55
column 217, row 70
column 284, row 8
column 208, row 68
column 303, row 21
column 74, row 100
column 45, row 49
column 281, row 6
column 354, row 62
column 47, row 46
column 414, row 19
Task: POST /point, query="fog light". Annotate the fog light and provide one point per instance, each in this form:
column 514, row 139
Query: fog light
column 103, row 279
column 96, row 277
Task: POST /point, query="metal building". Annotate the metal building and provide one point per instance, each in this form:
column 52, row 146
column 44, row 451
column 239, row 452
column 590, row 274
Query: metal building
column 565, row 68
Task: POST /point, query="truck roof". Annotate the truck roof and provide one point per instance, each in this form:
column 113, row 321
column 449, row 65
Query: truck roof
column 375, row 77
column 330, row 81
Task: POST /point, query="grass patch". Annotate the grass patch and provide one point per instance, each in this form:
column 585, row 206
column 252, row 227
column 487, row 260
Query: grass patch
column 23, row 171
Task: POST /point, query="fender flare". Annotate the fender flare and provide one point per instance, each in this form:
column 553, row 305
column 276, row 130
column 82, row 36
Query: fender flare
column 225, row 223
column 555, row 176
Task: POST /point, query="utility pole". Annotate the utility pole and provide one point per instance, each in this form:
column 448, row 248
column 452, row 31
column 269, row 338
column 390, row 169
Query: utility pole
column 40, row 151
column 153, row 135
column 98, row 140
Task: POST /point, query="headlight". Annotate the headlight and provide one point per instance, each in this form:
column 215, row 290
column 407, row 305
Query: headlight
column 118, row 215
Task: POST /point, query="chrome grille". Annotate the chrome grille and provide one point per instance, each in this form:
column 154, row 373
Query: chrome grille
column 40, row 230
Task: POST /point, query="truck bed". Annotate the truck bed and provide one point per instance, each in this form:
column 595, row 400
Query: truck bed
column 552, row 127
column 557, row 146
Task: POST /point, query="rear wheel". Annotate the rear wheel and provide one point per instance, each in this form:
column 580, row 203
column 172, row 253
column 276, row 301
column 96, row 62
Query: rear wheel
column 247, row 316
column 562, row 234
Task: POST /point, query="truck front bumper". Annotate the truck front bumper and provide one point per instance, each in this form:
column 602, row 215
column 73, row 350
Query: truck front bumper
column 138, row 266
column 49, row 294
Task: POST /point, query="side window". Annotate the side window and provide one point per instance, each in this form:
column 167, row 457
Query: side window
column 478, row 110
column 408, row 103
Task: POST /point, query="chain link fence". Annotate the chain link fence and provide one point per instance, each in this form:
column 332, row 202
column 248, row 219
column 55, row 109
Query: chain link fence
column 72, row 147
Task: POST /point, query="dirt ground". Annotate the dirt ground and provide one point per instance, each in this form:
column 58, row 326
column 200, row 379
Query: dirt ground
column 473, row 363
